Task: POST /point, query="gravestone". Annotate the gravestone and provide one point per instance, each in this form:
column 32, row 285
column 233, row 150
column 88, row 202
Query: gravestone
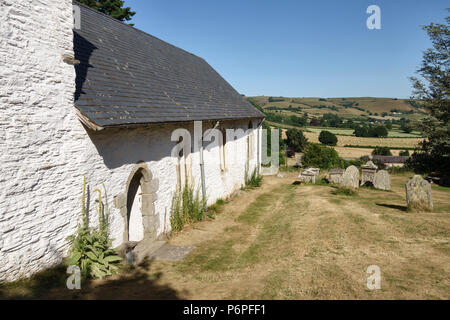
column 418, row 194
column 309, row 175
column 368, row 173
column 335, row 175
column 298, row 164
column 350, row 179
column 382, row 180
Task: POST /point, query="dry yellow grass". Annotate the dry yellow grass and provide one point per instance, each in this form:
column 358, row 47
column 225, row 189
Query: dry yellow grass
column 381, row 142
column 357, row 141
column 346, row 153
column 297, row 242
column 358, row 152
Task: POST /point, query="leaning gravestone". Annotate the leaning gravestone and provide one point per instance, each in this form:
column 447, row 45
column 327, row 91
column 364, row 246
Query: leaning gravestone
column 418, row 194
column 350, row 179
column 382, row 180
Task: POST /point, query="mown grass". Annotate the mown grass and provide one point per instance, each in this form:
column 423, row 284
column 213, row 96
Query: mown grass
column 234, row 249
column 216, row 208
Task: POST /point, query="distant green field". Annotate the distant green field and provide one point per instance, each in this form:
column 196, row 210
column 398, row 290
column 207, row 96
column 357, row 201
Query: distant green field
column 399, row 134
column 338, row 131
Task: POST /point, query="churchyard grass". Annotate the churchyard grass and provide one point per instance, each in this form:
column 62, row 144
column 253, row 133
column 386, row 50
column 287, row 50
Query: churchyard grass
column 285, row 241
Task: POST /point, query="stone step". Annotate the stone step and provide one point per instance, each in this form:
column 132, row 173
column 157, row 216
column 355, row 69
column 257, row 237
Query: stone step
column 171, row 253
column 145, row 249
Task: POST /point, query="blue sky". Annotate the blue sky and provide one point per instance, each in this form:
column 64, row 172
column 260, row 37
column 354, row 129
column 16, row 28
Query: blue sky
column 299, row 48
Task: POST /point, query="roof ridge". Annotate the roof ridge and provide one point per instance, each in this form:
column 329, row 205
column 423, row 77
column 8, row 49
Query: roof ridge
column 139, row 30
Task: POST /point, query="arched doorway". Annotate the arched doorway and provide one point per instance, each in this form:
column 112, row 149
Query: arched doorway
column 138, row 211
column 134, row 209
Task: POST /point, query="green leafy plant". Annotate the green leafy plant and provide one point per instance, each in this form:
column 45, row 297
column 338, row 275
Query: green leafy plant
column 91, row 248
column 320, row 156
column 187, row 207
column 344, row 192
column 254, row 181
column 323, row 182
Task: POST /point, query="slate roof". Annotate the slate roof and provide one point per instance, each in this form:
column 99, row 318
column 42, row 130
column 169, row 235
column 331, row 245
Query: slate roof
column 128, row 77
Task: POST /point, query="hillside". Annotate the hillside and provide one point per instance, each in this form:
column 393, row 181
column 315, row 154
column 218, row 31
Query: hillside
column 345, row 107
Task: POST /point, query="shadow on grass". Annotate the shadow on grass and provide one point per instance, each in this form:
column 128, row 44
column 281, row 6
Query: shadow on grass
column 393, row 206
column 36, row 286
column 135, row 283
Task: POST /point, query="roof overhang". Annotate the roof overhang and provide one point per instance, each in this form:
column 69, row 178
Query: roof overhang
column 95, row 127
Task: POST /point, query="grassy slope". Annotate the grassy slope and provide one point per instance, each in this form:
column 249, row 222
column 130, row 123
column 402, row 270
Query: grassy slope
column 345, row 136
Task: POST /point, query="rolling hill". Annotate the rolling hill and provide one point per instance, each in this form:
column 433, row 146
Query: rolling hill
column 345, row 107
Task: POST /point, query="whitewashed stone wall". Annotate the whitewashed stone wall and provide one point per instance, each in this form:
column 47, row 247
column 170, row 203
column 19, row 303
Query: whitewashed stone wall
column 36, row 102
column 45, row 150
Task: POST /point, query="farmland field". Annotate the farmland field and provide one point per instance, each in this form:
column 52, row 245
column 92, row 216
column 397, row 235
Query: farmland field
column 349, row 132
column 337, row 131
column 346, row 107
column 357, row 141
column 356, row 153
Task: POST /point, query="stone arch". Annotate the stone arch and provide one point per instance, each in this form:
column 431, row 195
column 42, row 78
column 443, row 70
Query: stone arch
column 142, row 177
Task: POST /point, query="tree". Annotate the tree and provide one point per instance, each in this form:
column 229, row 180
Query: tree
column 297, row 121
column 361, row 131
column 296, row 140
column 379, row 132
column 314, row 122
column 406, row 128
column 404, row 153
column 381, row 151
column 328, row 138
column 388, row 125
column 432, row 92
column 322, row 157
column 113, row 8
